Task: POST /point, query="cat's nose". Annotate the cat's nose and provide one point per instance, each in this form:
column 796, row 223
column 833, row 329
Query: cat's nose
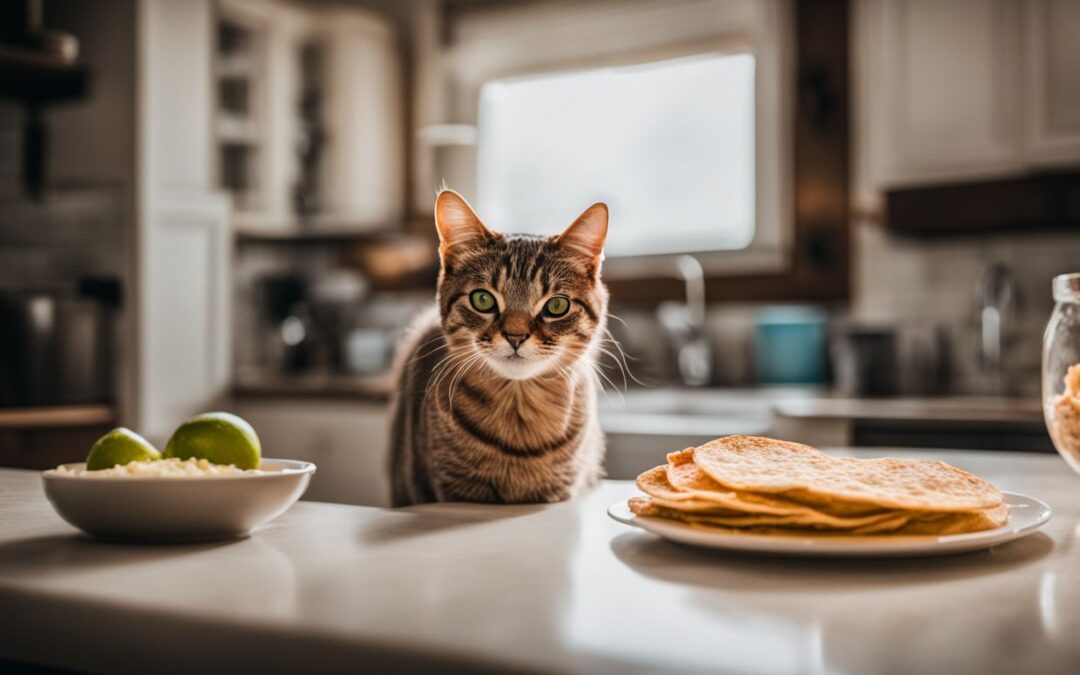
column 515, row 339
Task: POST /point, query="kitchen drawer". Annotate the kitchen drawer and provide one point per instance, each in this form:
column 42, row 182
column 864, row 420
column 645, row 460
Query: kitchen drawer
column 1016, row 437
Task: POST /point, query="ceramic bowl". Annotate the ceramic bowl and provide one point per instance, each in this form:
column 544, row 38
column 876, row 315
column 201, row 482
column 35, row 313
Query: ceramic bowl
column 176, row 509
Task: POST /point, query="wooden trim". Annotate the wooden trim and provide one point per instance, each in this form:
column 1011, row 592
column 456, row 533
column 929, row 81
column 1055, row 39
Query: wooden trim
column 57, row 416
column 820, row 262
column 1038, row 201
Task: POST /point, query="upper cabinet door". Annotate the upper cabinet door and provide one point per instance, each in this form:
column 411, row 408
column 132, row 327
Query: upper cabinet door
column 963, row 89
column 362, row 168
column 940, row 83
column 310, row 119
column 1052, row 47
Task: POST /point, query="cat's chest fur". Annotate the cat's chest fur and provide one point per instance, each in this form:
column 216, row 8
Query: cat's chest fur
column 485, row 439
column 526, row 442
column 540, row 409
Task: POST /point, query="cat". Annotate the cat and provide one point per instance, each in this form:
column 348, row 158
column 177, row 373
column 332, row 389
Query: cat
column 496, row 392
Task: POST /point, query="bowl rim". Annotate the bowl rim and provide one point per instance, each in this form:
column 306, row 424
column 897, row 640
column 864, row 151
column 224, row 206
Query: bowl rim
column 292, row 467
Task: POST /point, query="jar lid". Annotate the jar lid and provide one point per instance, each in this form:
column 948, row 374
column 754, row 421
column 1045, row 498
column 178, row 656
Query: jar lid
column 1067, row 287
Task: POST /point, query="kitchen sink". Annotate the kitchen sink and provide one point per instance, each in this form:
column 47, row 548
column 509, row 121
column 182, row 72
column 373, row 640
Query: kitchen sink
column 642, row 425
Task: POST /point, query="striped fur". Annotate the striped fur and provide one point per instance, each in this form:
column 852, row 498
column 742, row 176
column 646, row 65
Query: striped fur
column 476, row 419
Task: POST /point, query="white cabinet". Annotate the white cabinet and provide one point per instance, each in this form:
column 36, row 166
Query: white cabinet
column 363, row 168
column 964, row 89
column 183, row 246
column 346, row 439
column 310, row 102
column 1052, row 130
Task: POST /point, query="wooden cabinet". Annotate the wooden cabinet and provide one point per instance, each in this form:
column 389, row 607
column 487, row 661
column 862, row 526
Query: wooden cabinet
column 964, row 89
column 347, row 439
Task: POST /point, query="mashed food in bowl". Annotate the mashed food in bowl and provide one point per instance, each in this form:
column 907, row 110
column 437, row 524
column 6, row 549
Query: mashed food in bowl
column 162, row 468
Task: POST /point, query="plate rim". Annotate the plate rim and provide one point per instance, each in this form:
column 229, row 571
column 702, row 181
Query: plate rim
column 855, row 546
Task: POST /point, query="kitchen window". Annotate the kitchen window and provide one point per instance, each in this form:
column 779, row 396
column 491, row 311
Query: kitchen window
column 674, row 112
column 669, row 145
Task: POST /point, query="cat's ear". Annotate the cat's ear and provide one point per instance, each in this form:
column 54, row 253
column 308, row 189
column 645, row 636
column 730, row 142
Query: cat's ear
column 457, row 223
column 584, row 239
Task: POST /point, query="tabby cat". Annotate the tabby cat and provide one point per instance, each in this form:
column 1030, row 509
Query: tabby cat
column 496, row 397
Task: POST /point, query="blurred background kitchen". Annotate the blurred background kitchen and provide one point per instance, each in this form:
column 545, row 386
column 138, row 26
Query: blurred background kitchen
column 831, row 221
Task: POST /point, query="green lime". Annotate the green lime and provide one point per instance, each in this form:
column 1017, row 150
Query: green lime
column 218, row 437
column 120, row 446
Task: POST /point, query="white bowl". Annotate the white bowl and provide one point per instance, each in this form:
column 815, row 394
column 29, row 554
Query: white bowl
column 176, row 509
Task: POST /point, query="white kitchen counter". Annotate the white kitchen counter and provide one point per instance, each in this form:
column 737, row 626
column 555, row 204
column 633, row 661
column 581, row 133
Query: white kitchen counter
column 556, row 588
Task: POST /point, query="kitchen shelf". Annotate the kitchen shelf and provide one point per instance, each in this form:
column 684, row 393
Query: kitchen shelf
column 329, row 235
column 57, row 416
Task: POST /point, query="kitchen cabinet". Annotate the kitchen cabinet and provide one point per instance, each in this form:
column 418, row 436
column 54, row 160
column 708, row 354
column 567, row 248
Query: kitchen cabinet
column 309, row 118
column 964, row 89
column 362, row 169
column 346, row 438
column 975, row 423
column 1052, row 81
column 182, row 256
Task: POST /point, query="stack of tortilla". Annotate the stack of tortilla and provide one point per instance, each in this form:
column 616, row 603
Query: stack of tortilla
column 765, row 486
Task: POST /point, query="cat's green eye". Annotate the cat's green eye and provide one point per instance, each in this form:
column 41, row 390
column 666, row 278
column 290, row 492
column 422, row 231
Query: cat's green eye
column 482, row 301
column 557, row 305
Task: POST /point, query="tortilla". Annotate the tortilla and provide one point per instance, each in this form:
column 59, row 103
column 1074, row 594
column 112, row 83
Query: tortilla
column 938, row 524
column 764, row 465
column 655, row 483
column 719, row 505
column 766, row 486
column 687, row 477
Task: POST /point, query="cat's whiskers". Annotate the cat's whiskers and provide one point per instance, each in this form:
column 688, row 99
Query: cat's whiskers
column 433, row 351
column 462, row 371
column 625, row 357
column 445, row 362
column 567, row 374
column 614, row 387
column 618, row 365
column 617, row 318
column 440, row 371
column 602, row 377
column 447, row 370
column 596, row 372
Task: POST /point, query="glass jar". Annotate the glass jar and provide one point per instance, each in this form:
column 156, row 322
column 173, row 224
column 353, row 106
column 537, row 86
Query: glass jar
column 1061, row 369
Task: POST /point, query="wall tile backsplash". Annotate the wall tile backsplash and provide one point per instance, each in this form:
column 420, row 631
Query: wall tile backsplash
column 914, row 285
column 904, row 281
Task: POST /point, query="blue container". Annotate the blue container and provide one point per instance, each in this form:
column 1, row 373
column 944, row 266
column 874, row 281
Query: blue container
column 790, row 345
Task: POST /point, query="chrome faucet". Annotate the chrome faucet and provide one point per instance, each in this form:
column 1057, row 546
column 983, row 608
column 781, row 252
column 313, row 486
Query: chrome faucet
column 998, row 300
column 685, row 322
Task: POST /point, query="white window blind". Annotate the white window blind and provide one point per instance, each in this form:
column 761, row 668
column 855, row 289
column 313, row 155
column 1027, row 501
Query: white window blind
column 669, row 145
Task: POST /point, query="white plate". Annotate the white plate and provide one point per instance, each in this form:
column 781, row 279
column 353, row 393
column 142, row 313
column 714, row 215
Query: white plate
column 1026, row 516
column 177, row 509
